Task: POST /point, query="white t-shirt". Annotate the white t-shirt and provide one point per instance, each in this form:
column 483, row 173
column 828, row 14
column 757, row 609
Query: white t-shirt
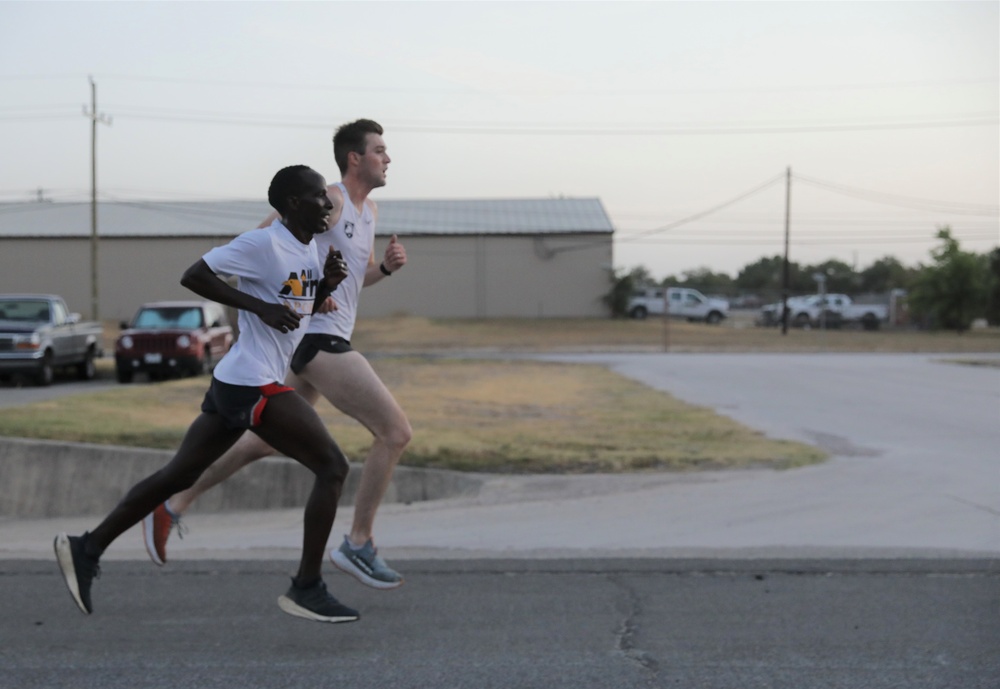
column 274, row 266
column 354, row 237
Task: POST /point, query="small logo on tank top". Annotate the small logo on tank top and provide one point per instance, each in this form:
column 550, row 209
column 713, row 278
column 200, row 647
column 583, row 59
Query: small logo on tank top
column 348, row 228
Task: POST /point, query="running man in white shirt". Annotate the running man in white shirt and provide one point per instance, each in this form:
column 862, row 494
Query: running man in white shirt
column 281, row 282
column 324, row 364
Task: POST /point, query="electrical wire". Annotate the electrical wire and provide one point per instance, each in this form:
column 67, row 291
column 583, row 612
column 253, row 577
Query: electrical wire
column 545, row 90
column 713, row 209
column 799, row 241
column 903, row 201
column 125, row 112
column 562, row 130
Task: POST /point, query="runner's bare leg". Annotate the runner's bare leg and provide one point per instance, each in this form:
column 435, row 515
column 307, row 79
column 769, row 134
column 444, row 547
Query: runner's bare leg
column 348, row 381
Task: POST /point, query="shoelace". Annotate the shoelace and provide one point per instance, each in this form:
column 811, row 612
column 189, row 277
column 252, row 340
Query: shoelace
column 175, row 523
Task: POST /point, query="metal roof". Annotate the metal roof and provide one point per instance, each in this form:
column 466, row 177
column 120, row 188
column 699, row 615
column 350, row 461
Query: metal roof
column 229, row 218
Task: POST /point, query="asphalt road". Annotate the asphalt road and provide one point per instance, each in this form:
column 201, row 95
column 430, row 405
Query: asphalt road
column 513, row 624
column 879, row 568
column 17, row 391
column 913, row 440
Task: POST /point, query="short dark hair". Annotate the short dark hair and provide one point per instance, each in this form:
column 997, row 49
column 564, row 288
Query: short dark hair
column 286, row 183
column 350, row 137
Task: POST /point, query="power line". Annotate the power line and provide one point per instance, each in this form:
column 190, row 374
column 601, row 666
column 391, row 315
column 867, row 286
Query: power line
column 22, row 113
column 849, row 234
column 904, row 201
column 59, row 106
column 37, row 117
column 833, row 241
column 242, row 116
column 814, row 217
column 845, row 224
column 542, row 90
column 709, row 211
column 584, row 130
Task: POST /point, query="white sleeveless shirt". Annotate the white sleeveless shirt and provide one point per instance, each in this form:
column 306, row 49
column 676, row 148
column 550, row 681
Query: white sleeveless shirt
column 354, row 237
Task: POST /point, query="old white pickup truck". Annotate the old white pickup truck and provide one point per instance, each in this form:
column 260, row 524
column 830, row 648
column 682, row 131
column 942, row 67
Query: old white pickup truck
column 677, row 302
column 828, row 310
column 38, row 335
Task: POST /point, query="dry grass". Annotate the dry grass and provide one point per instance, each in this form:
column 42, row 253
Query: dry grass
column 489, row 416
column 523, row 416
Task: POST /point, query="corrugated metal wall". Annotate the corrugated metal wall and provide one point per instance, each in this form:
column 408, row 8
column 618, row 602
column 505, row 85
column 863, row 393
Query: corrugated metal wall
column 471, row 276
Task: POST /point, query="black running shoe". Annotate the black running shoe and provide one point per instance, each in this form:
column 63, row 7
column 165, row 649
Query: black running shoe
column 78, row 569
column 316, row 603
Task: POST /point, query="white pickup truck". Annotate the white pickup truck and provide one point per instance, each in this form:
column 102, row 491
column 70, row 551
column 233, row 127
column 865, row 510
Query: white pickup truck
column 829, row 310
column 677, row 302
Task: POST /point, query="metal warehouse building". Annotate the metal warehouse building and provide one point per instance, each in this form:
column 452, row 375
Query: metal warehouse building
column 535, row 258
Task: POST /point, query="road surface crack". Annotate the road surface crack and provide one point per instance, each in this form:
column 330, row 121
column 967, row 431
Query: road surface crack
column 625, row 636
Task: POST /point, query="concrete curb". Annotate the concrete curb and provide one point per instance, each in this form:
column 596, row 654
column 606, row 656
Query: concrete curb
column 42, row 478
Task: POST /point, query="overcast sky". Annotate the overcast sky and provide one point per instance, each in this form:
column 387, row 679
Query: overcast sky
column 886, row 113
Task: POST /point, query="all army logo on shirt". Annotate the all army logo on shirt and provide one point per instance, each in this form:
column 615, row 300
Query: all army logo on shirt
column 299, row 291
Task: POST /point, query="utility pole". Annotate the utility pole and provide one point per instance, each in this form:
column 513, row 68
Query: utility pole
column 95, row 118
column 784, row 277
column 666, row 319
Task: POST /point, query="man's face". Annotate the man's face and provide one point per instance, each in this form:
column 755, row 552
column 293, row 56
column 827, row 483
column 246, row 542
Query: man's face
column 310, row 208
column 375, row 162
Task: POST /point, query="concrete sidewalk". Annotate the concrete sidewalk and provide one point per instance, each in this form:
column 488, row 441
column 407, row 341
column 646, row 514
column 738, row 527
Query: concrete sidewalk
column 645, row 516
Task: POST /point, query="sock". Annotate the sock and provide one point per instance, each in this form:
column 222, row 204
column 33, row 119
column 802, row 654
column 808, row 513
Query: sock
column 352, row 545
column 166, row 505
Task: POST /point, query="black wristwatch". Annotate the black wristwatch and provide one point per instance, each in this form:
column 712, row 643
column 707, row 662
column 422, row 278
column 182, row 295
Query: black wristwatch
column 385, row 271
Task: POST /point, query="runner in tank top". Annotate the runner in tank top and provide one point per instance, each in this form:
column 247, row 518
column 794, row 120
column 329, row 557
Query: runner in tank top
column 354, row 236
column 281, row 281
column 325, row 364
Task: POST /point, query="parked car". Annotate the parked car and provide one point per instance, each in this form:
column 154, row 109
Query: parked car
column 770, row 314
column 38, row 335
column 686, row 303
column 172, row 338
column 829, row 310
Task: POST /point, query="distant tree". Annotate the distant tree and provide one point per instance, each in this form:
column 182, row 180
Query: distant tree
column 887, row 274
column 952, row 291
column 641, row 277
column 704, row 280
column 840, row 277
column 762, row 276
column 622, row 287
column 993, row 300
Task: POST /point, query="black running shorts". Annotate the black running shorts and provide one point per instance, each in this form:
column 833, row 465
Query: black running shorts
column 240, row 406
column 313, row 343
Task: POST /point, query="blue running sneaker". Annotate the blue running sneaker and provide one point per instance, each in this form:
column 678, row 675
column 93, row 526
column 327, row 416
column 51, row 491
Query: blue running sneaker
column 365, row 565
